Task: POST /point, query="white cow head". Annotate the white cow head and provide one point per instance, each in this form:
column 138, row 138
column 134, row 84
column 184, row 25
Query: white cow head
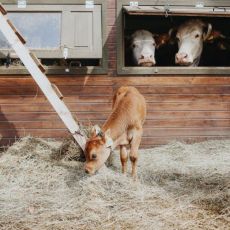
column 190, row 37
column 143, row 46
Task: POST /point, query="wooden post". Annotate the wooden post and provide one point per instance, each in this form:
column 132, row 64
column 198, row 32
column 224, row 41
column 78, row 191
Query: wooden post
column 36, row 69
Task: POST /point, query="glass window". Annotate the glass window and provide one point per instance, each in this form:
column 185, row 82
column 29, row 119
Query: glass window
column 40, row 30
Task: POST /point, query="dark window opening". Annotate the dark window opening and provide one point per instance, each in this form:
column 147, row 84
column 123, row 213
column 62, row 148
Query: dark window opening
column 68, row 63
column 216, row 52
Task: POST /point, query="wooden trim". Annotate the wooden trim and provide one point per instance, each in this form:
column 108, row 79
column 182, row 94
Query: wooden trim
column 174, row 70
column 215, row 3
column 178, row 11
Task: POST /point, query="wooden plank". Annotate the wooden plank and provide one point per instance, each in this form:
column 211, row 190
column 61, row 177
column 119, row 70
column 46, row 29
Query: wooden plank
column 2, row 9
column 168, row 115
column 177, row 11
column 102, row 80
column 186, row 123
column 180, row 123
column 66, row 90
column 46, row 133
column 198, row 98
column 178, row 132
column 20, row 37
column 108, row 91
column 107, row 107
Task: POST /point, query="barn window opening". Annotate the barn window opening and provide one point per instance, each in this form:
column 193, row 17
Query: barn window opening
column 216, row 50
column 153, row 40
column 67, row 37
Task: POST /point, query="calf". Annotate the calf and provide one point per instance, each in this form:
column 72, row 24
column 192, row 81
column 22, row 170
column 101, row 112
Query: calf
column 190, row 37
column 123, row 128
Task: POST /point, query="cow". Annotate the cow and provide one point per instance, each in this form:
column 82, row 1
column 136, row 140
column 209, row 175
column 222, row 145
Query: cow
column 190, row 37
column 143, row 47
column 123, row 128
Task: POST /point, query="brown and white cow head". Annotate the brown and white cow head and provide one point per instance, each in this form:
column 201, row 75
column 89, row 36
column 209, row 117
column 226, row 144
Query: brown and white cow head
column 190, row 37
column 97, row 150
column 143, row 47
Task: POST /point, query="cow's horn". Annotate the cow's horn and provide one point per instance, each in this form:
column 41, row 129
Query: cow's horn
column 208, row 33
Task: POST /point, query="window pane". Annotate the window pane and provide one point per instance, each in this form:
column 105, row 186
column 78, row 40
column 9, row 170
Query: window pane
column 41, row 30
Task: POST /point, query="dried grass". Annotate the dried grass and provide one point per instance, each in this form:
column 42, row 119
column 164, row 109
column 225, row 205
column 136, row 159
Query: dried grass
column 180, row 187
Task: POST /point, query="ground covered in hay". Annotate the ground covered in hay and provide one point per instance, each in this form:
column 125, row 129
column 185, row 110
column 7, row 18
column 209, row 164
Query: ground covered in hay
column 180, row 186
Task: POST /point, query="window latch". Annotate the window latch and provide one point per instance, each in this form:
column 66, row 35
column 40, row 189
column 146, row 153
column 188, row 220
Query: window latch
column 8, row 60
column 65, row 52
column 167, row 10
column 219, row 9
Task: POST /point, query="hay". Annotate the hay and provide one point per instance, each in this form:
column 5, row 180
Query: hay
column 180, row 187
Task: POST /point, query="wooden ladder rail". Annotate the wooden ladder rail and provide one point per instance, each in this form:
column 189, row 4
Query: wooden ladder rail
column 37, row 70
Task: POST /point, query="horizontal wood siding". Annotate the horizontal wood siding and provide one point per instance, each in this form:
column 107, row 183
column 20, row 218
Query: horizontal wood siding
column 179, row 108
column 188, row 108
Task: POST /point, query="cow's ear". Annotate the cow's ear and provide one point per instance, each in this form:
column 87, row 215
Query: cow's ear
column 161, row 40
column 172, row 35
column 207, row 31
column 128, row 40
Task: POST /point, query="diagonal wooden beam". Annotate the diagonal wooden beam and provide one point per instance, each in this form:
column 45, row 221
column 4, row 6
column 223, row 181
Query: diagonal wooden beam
column 36, row 70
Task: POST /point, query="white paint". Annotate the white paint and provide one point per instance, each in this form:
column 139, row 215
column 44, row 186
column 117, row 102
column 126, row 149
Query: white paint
column 133, row 3
column 22, row 4
column 65, row 52
column 89, row 4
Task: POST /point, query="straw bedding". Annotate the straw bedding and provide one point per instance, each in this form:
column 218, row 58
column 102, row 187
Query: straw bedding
column 180, row 186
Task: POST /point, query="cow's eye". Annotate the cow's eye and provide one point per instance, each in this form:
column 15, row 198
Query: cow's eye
column 177, row 39
column 133, row 45
column 197, row 36
column 154, row 44
column 94, row 156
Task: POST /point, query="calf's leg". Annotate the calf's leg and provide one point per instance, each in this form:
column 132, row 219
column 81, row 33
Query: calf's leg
column 123, row 158
column 134, row 146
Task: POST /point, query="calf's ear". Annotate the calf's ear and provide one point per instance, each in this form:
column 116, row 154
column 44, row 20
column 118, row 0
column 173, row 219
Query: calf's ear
column 207, row 31
column 95, row 130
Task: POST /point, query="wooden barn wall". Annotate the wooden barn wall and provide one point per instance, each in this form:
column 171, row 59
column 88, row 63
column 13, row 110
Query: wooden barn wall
column 190, row 108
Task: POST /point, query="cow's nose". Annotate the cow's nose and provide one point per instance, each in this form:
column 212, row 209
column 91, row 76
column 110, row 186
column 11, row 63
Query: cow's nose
column 87, row 171
column 181, row 56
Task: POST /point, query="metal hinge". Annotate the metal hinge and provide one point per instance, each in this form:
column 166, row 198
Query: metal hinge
column 89, row 4
column 133, row 3
column 199, row 4
column 21, row 3
column 167, row 10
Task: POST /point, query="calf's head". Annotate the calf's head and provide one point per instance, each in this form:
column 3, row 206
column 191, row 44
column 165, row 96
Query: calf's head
column 97, row 150
column 143, row 48
column 190, row 37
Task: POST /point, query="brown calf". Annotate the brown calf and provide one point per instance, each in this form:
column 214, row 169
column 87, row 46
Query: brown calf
column 123, row 128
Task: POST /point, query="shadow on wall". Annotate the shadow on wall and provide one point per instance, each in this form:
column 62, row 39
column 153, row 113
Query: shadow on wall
column 8, row 131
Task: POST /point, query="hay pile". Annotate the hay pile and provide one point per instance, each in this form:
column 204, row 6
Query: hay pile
column 180, row 187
